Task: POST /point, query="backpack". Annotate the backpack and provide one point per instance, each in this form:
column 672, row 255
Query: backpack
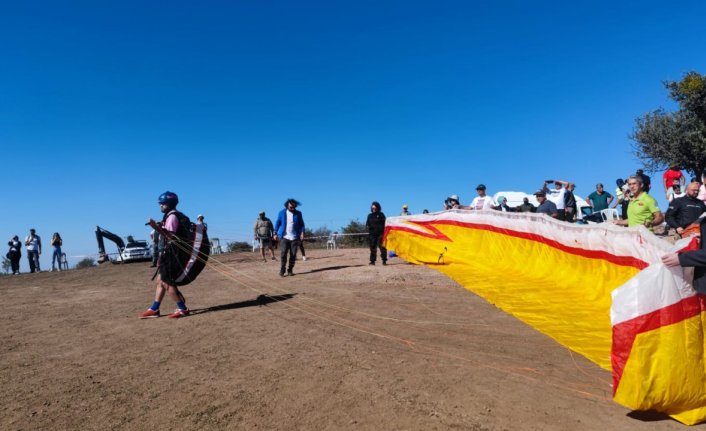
column 185, row 255
column 264, row 228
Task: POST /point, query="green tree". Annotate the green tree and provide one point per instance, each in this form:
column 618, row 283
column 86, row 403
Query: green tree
column 6, row 264
column 238, row 246
column 86, row 262
column 677, row 138
column 355, row 227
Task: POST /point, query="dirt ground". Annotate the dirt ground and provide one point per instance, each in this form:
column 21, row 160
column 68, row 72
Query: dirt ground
column 340, row 345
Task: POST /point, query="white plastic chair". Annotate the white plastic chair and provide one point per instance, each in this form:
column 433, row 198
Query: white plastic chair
column 216, row 246
column 609, row 214
column 331, row 243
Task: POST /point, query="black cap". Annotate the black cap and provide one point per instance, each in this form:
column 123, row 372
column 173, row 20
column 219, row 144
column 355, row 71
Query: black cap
column 480, row 187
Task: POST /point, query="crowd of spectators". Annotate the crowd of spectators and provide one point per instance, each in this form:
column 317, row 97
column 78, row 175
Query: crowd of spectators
column 630, row 205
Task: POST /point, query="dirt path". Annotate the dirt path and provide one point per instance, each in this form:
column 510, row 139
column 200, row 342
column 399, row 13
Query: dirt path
column 341, row 345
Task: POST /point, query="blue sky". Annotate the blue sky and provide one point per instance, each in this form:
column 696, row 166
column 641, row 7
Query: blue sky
column 238, row 105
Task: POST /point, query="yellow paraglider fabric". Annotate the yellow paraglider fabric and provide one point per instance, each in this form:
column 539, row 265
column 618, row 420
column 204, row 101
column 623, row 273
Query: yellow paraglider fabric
column 566, row 281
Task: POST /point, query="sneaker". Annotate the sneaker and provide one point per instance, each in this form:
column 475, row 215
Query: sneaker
column 179, row 313
column 384, row 262
column 371, row 263
column 290, row 273
column 273, row 258
column 281, row 274
column 303, row 257
column 148, row 314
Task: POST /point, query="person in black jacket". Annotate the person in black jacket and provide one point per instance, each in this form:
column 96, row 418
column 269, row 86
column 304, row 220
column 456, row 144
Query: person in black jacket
column 685, row 210
column 376, row 229
column 696, row 258
column 15, row 254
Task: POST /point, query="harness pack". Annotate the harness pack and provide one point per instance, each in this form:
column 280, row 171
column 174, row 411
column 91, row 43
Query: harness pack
column 186, row 253
column 264, row 228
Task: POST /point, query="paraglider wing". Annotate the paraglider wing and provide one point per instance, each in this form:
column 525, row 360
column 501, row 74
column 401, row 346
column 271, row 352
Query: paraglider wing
column 600, row 290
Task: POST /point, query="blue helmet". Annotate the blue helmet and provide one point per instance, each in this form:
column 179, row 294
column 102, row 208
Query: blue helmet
column 168, row 198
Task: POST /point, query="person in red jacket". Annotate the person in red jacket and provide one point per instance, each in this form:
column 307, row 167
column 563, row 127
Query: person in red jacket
column 669, row 177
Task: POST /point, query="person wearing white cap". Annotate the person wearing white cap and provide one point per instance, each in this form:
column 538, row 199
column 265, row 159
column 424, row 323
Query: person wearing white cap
column 453, row 202
column 405, row 210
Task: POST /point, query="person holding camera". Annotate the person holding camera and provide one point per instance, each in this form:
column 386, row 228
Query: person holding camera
column 452, row 203
column 557, row 196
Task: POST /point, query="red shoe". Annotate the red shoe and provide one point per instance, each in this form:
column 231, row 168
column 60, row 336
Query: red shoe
column 148, row 314
column 179, row 313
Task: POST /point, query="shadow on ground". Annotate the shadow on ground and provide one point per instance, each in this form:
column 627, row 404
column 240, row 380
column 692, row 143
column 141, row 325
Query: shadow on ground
column 649, row 416
column 259, row 301
column 331, row 268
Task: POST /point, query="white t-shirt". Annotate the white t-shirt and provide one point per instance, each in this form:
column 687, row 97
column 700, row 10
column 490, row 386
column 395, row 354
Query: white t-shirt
column 483, row 203
column 33, row 243
column 289, row 232
column 671, row 196
column 557, row 196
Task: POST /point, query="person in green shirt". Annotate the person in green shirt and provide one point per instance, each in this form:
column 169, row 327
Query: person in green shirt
column 642, row 209
column 600, row 199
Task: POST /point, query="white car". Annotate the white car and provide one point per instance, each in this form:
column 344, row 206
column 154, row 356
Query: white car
column 136, row 251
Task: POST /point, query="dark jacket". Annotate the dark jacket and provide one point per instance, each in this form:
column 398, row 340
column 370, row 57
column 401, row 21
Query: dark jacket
column 684, row 211
column 569, row 200
column 376, row 223
column 697, row 259
column 15, row 249
column 525, row 208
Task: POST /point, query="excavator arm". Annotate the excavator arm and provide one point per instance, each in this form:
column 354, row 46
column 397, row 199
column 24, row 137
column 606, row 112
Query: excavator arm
column 102, row 233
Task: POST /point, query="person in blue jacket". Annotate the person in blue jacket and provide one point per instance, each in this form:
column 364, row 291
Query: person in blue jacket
column 289, row 231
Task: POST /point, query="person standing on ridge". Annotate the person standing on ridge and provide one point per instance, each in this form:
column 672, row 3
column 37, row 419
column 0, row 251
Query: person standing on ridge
column 642, row 209
column 600, row 199
column 670, row 176
column 545, row 205
column 168, row 202
column 56, row 243
column 33, row 243
column 694, row 258
column 199, row 220
column 15, row 254
column 376, row 229
column 525, row 207
column 570, row 206
column 156, row 246
column 405, row 210
column 646, row 182
column 684, row 212
column 289, row 230
column 557, row 196
column 264, row 230
column 482, row 201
